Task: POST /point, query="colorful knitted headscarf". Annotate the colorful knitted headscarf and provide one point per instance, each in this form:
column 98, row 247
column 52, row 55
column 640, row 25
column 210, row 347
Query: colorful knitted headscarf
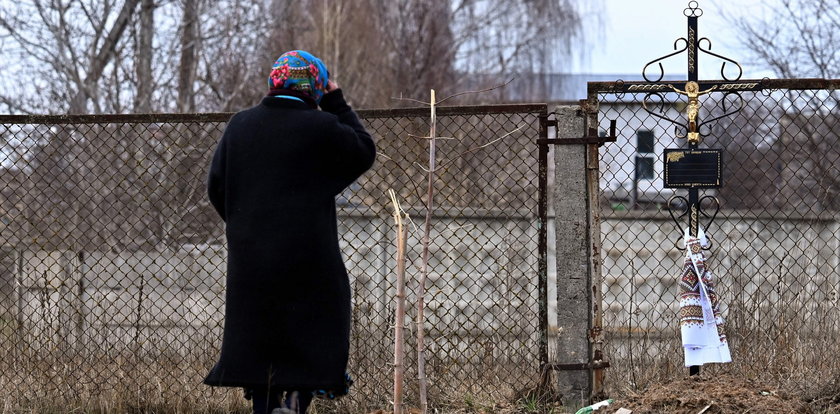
column 299, row 71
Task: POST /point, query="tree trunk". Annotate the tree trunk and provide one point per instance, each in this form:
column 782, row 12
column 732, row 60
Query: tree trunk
column 143, row 99
column 187, row 67
column 98, row 61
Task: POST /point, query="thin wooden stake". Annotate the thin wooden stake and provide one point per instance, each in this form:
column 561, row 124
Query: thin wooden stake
column 399, row 314
column 427, row 225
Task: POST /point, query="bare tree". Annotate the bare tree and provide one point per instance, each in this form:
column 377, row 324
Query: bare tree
column 796, row 38
column 378, row 49
column 509, row 38
column 67, row 50
column 144, row 53
column 419, row 37
column 348, row 35
column 750, row 177
column 511, row 35
column 352, row 40
column 189, row 49
column 232, row 62
column 810, row 177
column 102, row 56
column 152, row 55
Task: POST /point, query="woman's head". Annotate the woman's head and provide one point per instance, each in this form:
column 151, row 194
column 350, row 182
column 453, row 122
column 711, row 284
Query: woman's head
column 299, row 71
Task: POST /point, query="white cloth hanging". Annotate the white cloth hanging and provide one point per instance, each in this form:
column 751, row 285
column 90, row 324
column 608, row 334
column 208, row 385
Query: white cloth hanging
column 701, row 324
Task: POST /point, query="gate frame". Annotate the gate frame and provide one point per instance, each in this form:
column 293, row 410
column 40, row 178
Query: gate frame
column 692, row 128
column 618, row 88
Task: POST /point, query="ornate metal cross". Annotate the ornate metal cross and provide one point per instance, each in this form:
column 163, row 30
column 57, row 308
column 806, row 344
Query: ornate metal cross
column 694, row 127
column 692, row 168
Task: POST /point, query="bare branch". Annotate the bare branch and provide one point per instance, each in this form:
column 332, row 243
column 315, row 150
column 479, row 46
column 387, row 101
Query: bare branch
column 411, row 100
column 417, row 190
column 796, row 38
column 428, row 137
column 471, row 150
column 476, row 92
column 426, row 170
column 102, row 57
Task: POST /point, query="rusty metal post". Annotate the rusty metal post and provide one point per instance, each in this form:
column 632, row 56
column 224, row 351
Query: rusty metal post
column 542, row 247
column 593, row 191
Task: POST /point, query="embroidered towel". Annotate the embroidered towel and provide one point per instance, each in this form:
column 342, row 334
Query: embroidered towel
column 701, row 324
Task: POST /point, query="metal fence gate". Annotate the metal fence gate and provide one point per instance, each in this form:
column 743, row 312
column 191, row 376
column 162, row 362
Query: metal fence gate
column 112, row 270
column 774, row 223
column 776, row 239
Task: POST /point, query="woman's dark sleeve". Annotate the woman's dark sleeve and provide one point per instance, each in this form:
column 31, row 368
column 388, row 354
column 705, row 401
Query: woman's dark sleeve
column 216, row 178
column 350, row 146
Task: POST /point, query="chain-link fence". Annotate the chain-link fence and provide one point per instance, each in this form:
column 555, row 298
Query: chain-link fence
column 112, row 268
column 776, row 239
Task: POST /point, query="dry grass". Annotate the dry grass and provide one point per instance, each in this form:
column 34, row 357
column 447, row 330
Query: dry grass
column 125, row 382
column 791, row 348
column 122, row 384
column 141, row 382
column 170, row 384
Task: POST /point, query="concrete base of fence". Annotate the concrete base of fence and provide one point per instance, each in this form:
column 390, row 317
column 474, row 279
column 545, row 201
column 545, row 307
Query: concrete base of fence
column 173, row 300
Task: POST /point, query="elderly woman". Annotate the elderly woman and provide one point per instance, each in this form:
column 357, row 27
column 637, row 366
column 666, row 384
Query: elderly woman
column 273, row 180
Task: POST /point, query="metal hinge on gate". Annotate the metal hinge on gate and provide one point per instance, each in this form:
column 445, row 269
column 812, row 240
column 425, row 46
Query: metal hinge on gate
column 592, row 138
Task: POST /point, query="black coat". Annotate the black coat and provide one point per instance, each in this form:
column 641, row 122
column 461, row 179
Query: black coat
column 273, row 180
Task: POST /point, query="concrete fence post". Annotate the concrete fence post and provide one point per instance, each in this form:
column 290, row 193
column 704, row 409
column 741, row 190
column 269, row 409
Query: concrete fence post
column 572, row 227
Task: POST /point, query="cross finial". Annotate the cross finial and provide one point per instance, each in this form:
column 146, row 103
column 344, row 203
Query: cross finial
column 693, row 10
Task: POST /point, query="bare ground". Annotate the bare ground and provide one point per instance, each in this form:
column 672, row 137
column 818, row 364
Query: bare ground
column 722, row 394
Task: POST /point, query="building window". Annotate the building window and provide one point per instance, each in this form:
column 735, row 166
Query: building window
column 644, row 168
column 644, row 141
column 644, row 157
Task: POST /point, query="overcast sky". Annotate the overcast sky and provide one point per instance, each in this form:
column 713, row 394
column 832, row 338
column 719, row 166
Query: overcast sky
column 638, row 31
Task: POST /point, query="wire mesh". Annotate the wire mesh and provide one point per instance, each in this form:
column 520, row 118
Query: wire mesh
column 113, row 261
column 775, row 241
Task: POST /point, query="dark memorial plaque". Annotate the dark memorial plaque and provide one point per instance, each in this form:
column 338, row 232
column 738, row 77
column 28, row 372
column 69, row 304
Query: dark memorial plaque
column 686, row 168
